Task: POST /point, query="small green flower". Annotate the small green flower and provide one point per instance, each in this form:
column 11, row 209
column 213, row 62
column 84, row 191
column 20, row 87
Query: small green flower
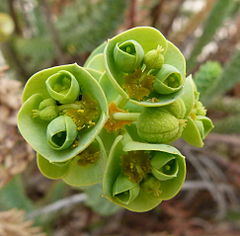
column 161, row 180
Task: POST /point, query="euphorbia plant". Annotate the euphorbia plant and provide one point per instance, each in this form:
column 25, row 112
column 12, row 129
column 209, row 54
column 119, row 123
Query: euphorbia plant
column 112, row 121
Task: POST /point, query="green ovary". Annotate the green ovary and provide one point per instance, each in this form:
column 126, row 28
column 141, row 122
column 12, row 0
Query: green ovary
column 157, row 125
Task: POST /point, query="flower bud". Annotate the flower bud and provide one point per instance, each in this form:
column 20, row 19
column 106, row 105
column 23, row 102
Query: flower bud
column 125, row 190
column 128, row 56
column 61, row 133
column 168, row 80
column 47, row 102
column 157, row 125
column 47, row 110
column 154, row 59
column 63, row 87
column 164, row 166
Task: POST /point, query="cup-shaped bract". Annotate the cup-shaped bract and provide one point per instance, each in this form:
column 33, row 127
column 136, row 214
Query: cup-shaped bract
column 196, row 130
column 128, row 56
column 84, row 169
column 142, row 187
column 168, row 80
column 158, row 125
column 125, row 190
column 198, row 125
column 91, row 102
column 137, row 86
column 61, row 132
column 63, row 87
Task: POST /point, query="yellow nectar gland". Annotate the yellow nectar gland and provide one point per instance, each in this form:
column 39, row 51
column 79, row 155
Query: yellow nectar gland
column 88, row 156
column 112, row 124
column 138, row 85
column 152, row 186
column 86, row 115
column 136, row 165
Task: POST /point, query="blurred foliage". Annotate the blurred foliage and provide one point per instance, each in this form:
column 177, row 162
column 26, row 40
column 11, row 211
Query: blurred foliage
column 206, row 77
column 215, row 19
column 80, row 27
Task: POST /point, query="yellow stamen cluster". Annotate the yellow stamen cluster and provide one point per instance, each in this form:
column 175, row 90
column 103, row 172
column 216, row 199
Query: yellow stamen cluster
column 86, row 115
column 136, row 165
column 88, row 156
column 138, row 85
column 152, row 186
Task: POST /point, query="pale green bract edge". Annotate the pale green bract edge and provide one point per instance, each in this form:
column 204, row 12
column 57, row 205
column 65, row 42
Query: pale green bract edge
column 144, row 201
column 33, row 130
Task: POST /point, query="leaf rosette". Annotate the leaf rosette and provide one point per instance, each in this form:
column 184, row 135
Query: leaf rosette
column 64, row 109
column 139, row 176
column 130, row 61
column 84, row 169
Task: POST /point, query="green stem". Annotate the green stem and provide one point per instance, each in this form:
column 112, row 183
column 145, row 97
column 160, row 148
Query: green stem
column 126, row 116
column 121, row 101
column 69, row 106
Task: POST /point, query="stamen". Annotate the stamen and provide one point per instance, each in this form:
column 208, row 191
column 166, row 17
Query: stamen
column 136, row 165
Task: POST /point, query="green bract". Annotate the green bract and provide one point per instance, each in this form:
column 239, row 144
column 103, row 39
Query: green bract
column 89, row 113
column 128, row 55
column 157, row 176
column 168, row 80
column 61, row 132
column 198, row 125
column 84, row 169
column 63, row 87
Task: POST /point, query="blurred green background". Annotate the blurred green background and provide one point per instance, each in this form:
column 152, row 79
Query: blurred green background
column 37, row 34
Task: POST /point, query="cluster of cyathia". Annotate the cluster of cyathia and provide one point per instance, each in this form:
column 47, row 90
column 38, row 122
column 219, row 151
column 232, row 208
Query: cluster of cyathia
column 112, row 120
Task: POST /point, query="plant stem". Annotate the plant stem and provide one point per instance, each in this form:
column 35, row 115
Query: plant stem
column 70, row 106
column 121, row 101
column 126, row 116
